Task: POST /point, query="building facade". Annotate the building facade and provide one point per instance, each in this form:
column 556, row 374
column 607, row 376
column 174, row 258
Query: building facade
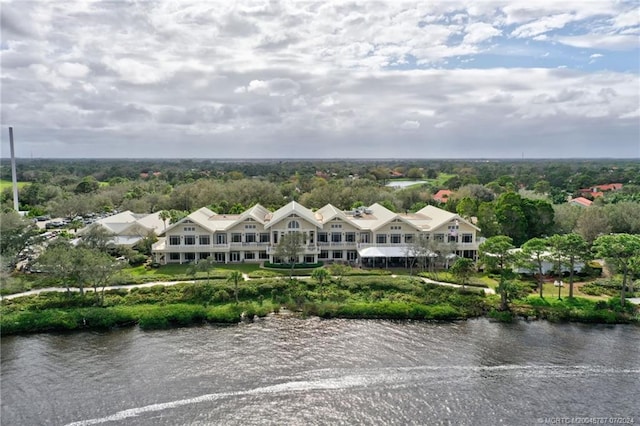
column 372, row 236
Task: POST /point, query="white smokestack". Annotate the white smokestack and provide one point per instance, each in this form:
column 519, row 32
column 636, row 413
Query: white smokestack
column 13, row 171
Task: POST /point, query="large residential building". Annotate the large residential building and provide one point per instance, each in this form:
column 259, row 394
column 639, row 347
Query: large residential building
column 128, row 228
column 368, row 236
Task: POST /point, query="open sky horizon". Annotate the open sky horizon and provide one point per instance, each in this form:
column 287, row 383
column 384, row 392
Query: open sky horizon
column 491, row 79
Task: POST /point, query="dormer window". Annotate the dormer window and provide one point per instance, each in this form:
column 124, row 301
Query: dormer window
column 294, row 224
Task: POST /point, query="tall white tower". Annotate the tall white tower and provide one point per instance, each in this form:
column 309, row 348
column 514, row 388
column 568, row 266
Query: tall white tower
column 14, row 177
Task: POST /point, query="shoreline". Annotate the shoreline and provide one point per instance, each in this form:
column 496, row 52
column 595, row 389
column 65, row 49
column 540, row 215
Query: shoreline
column 183, row 303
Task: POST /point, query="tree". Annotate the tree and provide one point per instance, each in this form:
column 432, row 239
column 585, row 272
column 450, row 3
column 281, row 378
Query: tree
column 164, row 215
column 71, row 265
column 621, row 251
column 202, row 265
column 511, row 217
column 575, row 249
column 338, row 270
column 96, row 237
column 467, row 207
column 542, row 187
column 16, row 233
column 592, row 223
column 104, row 268
column 533, row 255
column 289, row 249
column 235, row 277
column 556, row 245
column 487, row 220
column 462, row 269
column 496, row 252
column 539, row 215
column 320, row 274
column 87, row 185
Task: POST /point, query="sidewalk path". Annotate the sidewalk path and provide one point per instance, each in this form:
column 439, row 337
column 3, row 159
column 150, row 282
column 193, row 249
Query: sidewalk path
column 168, row 283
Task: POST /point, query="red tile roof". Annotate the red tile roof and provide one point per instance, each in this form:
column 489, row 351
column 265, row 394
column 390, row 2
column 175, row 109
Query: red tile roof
column 581, row 201
column 443, row 195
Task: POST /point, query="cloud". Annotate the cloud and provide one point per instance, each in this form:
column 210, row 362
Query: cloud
column 479, row 32
column 284, row 78
column 410, row 125
column 73, row 70
column 543, row 25
column 602, row 41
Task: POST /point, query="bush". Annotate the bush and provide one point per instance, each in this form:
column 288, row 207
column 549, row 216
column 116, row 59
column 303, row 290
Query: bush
column 137, row 259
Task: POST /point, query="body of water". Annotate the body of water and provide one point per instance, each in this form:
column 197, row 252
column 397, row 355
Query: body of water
column 289, row 371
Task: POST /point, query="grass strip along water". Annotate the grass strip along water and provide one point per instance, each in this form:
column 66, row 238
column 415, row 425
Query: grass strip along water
column 372, row 297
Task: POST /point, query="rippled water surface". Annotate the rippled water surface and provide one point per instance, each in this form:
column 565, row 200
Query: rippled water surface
column 288, row 371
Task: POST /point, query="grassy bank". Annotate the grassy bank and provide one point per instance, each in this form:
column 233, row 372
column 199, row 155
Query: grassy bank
column 576, row 309
column 187, row 303
column 379, row 297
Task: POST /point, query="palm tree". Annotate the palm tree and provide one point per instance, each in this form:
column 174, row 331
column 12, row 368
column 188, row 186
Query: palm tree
column 320, row 274
column 235, row 277
column 164, row 215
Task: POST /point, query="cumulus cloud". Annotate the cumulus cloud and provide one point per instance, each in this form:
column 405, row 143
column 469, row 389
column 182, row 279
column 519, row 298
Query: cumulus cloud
column 283, row 78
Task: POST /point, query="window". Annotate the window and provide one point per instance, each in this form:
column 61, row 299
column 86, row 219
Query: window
column 221, row 238
column 263, row 255
column 264, row 237
column 408, row 238
column 438, row 237
column 249, row 255
column 174, row 240
column 236, row 237
column 337, row 254
column 203, row 255
column 205, row 240
column 308, row 259
column 189, row 240
column 235, row 256
column 336, row 237
column 322, row 237
column 189, row 228
column 324, row 254
column 396, row 227
column 250, row 226
column 336, row 225
column 467, row 238
column 395, row 238
column 174, row 256
column 189, row 257
column 250, row 238
column 350, row 237
column 352, row 255
column 364, row 238
column 220, row 257
column 381, row 239
column 294, row 224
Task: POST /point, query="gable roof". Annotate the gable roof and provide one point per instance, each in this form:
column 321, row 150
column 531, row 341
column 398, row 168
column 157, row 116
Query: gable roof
column 292, row 208
column 581, row 201
column 437, row 217
column 257, row 213
column 330, row 212
column 200, row 217
column 443, row 195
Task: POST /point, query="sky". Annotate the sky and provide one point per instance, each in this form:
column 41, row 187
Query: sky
column 321, row 79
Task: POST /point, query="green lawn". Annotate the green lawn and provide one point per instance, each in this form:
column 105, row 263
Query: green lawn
column 7, row 184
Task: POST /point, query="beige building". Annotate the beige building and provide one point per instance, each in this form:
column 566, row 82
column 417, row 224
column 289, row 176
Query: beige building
column 369, row 236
